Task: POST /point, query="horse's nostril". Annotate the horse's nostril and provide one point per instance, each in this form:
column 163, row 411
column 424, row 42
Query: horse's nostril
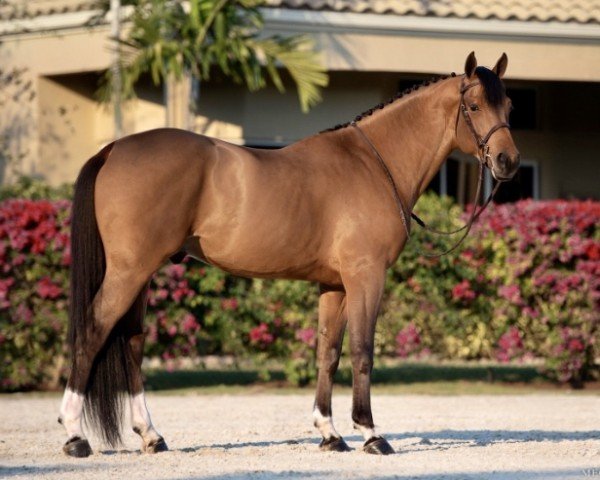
column 502, row 160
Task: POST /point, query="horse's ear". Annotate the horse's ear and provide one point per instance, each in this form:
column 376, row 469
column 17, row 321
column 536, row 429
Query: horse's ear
column 501, row 64
column 470, row 64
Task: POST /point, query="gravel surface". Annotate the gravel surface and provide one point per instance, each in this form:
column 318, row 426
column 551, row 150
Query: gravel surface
column 271, row 437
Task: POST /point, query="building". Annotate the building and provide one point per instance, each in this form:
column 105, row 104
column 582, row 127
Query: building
column 371, row 48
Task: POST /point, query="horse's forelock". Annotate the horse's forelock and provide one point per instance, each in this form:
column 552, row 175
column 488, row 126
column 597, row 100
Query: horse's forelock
column 492, row 86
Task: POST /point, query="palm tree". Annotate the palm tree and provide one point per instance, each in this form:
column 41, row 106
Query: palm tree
column 174, row 40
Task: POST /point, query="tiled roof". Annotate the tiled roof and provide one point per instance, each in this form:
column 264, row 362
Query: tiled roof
column 578, row 11
column 13, row 9
column 566, row 11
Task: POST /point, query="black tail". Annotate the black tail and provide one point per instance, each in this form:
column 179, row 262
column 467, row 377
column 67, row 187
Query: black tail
column 109, row 376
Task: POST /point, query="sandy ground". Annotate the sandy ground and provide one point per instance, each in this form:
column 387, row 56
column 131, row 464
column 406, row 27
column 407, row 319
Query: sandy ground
column 271, row 437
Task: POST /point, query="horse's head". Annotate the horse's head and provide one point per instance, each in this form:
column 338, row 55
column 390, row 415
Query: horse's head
column 482, row 122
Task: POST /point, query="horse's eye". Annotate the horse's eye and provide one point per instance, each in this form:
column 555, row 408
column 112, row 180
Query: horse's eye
column 474, row 107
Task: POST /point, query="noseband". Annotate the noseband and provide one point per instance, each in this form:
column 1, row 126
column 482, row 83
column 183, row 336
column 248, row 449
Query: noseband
column 484, row 158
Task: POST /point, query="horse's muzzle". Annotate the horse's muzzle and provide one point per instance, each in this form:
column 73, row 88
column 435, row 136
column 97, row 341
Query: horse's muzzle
column 505, row 166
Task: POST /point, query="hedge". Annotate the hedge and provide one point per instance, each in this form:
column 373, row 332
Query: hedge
column 525, row 285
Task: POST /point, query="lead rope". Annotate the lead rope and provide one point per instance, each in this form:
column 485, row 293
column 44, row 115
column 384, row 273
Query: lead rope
column 488, row 200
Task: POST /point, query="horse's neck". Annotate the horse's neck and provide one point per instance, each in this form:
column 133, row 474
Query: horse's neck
column 415, row 134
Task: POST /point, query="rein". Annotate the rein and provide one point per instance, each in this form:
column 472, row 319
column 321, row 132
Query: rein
column 484, row 159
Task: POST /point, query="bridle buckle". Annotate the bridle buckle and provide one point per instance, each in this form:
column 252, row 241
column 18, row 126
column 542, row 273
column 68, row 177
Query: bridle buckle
column 487, row 158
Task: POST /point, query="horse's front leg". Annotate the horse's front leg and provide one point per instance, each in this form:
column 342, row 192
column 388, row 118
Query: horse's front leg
column 332, row 323
column 364, row 290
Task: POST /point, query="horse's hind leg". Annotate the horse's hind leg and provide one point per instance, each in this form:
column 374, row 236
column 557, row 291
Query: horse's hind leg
column 152, row 441
column 332, row 323
column 117, row 293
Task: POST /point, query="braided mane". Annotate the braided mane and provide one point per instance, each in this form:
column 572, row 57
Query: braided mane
column 390, row 101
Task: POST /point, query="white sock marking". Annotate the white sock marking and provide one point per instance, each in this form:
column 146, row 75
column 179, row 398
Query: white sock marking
column 140, row 418
column 367, row 432
column 324, row 424
column 71, row 411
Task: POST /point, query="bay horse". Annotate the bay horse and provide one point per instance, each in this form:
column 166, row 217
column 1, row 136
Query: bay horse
column 323, row 209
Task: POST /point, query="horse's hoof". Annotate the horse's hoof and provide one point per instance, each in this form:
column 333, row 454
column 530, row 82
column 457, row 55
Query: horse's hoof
column 77, row 447
column 378, row 446
column 334, row 444
column 156, row 446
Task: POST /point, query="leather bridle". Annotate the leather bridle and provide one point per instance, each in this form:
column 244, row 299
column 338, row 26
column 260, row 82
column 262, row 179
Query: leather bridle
column 482, row 142
column 483, row 156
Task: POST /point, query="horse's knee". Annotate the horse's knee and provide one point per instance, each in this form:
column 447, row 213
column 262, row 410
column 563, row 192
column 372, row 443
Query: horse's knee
column 362, row 361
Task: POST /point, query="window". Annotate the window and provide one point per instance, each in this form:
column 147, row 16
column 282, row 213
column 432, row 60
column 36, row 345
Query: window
column 525, row 184
column 458, row 179
column 524, row 115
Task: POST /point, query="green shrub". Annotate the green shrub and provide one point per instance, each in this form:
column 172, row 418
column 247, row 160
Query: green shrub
column 34, row 189
column 524, row 285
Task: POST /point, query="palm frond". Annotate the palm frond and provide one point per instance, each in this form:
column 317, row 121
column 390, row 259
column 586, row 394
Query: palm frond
column 167, row 41
column 296, row 54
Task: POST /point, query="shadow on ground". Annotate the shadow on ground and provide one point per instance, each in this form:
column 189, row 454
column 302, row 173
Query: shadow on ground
column 27, row 471
column 440, row 440
column 563, row 474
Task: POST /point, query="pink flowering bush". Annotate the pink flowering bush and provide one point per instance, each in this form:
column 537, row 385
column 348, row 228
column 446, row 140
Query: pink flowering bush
column 525, row 284
column 408, row 342
column 34, row 259
column 462, row 292
column 194, row 309
column 549, row 286
column 510, row 345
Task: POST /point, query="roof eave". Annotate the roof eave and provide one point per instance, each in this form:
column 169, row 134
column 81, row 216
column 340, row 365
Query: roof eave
column 329, row 21
column 313, row 21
